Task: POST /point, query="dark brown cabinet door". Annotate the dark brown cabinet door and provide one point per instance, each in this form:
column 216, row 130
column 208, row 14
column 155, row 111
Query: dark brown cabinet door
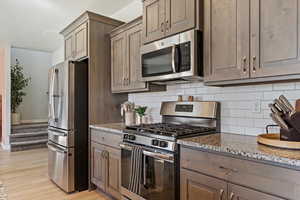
column 275, row 36
column 114, row 172
column 118, row 62
column 180, row 16
column 80, row 42
column 195, row 186
column 134, row 43
column 69, row 47
column 241, row 193
column 226, row 39
column 153, row 20
column 98, row 166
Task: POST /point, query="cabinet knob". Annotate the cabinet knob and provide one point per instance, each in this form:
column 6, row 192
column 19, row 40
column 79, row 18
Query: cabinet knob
column 231, row 196
column 254, row 63
column 221, row 194
column 162, row 27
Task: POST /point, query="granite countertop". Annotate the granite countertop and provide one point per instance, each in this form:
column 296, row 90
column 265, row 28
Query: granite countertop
column 245, row 147
column 111, row 127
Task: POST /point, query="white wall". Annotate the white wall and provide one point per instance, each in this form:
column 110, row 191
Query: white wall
column 58, row 55
column 239, row 104
column 130, row 12
column 36, row 65
column 5, row 91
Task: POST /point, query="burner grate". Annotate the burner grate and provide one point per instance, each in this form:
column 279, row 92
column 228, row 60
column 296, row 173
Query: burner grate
column 173, row 130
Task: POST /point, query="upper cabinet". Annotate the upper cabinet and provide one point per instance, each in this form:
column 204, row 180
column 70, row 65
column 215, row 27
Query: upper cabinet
column 251, row 42
column 76, row 43
column 126, row 42
column 162, row 18
column 275, row 36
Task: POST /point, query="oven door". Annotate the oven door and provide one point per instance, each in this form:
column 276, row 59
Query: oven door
column 157, row 180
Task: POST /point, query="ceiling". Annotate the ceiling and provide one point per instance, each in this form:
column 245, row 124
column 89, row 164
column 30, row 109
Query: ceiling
column 35, row 24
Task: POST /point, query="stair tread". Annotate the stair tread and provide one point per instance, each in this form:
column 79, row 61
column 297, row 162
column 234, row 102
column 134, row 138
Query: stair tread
column 29, row 126
column 29, row 142
column 38, row 133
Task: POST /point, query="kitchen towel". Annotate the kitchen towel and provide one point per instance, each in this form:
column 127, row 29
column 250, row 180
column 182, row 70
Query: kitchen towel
column 136, row 170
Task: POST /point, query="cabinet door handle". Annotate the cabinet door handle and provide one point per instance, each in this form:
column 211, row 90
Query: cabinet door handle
column 162, row 27
column 231, row 196
column 167, row 25
column 254, row 63
column 221, row 194
column 244, row 61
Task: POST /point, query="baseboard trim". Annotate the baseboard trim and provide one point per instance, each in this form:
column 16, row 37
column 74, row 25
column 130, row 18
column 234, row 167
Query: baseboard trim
column 5, row 147
column 34, row 121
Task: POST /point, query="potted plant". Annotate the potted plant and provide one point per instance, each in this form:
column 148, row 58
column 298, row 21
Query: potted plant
column 141, row 112
column 18, row 83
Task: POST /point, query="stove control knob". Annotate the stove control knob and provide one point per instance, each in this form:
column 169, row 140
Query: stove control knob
column 155, row 142
column 163, row 144
column 131, row 137
column 126, row 136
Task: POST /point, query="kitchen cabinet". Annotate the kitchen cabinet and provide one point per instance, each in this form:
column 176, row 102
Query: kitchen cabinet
column 251, row 42
column 118, row 63
column 209, row 174
column 226, row 39
column 76, row 47
column 163, row 18
column 126, row 42
column 105, row 162
column 87, row 41
column 274, row 42
column 195, row 186
column 236, row 192
column 98, row 165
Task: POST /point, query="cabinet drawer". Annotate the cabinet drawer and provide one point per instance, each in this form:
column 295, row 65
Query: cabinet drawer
column 106, row 138
column 262, row 177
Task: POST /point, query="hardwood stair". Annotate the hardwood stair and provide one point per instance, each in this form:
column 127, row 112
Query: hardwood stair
column 28, row 136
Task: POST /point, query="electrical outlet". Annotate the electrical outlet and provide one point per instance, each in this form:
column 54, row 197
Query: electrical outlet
column 257, row 107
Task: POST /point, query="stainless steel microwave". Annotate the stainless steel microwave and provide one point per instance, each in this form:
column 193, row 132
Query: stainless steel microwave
column 177, row 58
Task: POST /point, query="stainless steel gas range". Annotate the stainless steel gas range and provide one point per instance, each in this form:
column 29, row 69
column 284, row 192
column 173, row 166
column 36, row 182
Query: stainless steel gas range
column 150, row 154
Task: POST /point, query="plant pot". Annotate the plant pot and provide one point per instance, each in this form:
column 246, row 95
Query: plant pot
column 15, row 118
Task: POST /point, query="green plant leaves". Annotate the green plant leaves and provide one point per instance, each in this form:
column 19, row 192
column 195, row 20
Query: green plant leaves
column 18, row 83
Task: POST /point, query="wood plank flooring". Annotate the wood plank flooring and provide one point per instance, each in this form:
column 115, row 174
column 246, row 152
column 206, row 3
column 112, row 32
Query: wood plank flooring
column 24, row 176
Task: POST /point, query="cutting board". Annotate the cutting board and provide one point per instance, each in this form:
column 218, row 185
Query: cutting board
column 273, row 140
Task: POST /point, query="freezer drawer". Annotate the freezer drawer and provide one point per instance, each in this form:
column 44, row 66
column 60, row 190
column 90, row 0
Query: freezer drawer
column 61, row 166
column 61, row 137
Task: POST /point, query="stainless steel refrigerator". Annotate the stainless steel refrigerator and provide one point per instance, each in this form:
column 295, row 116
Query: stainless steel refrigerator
column 68, row 126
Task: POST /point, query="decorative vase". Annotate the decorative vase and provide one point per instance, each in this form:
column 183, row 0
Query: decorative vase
column 15, row 118
column 139, row 120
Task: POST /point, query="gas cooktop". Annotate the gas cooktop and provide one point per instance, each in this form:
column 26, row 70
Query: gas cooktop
column 171, row 130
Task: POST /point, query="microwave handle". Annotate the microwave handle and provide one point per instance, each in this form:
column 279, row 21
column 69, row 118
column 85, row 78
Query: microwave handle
column 174, row 59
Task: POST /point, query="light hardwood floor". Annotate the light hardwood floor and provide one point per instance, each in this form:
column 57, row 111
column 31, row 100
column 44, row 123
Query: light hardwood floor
column 24, row 175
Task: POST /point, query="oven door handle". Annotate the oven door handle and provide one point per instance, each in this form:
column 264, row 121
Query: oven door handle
column 162, row 156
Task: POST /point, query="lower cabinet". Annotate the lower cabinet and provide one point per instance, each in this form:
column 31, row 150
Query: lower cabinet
column 105, row 169
column 196, row 186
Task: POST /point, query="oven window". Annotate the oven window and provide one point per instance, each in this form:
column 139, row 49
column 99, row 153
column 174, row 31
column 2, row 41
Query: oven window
column 157, row 63
column 157, row 180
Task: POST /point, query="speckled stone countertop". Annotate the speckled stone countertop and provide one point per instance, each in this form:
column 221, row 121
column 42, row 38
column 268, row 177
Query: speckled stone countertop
column 111, row 127
column 245, row 147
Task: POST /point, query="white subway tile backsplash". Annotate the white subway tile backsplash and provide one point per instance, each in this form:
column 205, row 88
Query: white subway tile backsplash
column 237, row 103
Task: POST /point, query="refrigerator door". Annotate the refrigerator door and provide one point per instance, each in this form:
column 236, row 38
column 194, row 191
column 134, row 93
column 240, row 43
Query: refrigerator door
column 61, row 166
column 59, row 88
column 61, row 137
